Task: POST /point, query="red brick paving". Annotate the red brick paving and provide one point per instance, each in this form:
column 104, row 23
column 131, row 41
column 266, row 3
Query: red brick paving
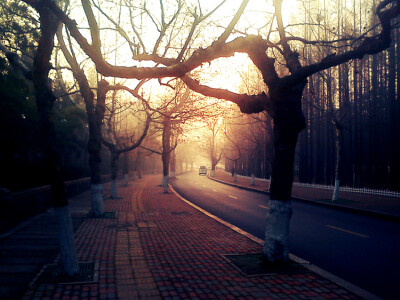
column 161, row 247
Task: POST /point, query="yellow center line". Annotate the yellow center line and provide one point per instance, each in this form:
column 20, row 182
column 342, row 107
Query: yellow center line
column 348, row 231
column 267, row 208
column 232, row 196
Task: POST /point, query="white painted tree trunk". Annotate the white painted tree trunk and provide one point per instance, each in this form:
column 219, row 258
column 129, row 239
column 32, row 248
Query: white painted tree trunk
column 335, row 196
column 165, row 183
column 66, row 240
column 276, row 248
column 253, row 179
column 114, row 189
column 172, row 174
column 126, row 177
column 212, row 173
column 96, row 197
column 234, row 177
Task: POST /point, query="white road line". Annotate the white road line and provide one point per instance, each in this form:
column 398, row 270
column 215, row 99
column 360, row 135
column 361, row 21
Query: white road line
column 348, row 231
column 214, row 190
column 232, row 196
column 265, row 207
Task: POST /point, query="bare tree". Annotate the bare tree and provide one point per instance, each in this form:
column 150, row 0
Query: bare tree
column 95, row 109
column 117, row 142
column 282, row 100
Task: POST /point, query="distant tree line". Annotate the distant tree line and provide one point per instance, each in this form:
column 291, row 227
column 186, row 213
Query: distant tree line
column 361, row 97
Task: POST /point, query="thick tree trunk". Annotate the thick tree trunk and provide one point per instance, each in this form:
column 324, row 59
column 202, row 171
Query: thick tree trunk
column 94, row 148
column 276, row 248
column 172, row 173
column 95, row 114
column 95, row 120
column 45, row 100
column 66, row 240
column 288, row 122
column 165, row 162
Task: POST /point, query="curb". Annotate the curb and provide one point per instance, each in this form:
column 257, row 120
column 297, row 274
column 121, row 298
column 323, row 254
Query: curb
column 360, row 211
column 313, row 268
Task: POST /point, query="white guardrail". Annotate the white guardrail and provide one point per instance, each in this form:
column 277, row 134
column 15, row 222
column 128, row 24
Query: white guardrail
column 367, row 191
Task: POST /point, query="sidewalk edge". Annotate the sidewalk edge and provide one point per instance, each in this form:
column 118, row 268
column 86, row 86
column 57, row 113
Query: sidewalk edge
column 325, row 274
column 359, row 211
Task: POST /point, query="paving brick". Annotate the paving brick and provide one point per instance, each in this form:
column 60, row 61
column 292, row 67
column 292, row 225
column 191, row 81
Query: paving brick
column 170, row 250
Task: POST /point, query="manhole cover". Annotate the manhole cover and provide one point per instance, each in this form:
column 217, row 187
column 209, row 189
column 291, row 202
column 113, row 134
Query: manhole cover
column 106, row 215
column 255, row 265
column 51, row 274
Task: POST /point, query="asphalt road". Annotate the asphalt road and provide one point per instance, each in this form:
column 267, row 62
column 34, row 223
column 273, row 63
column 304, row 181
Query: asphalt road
column 360, row 249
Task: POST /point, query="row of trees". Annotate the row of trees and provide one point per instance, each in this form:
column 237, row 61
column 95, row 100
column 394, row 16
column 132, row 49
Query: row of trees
column 186, row 38
column 352, row 110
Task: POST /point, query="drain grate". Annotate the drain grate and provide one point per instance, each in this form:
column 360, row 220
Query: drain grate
column 105, row 215
column 52, row 274
column 255, row 265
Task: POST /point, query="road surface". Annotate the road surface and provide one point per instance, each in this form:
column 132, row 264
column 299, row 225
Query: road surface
column 360, row 249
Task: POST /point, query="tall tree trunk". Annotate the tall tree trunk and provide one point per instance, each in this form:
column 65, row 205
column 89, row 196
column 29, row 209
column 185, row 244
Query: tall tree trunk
column 213, row 155
column 166, row 153
column 234, row 173
column 95, row 114
column 394, row 164
column 114, row 173
column 139, row 164
column 338, row 128
column 45, row 100
column 173, row 165
column 95, row 120
column 252, row 169
column 288, row 122
column 126, row 168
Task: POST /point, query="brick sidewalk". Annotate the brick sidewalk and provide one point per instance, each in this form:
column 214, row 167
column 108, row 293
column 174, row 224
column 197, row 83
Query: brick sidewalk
column 374, row 203
column 160, row 247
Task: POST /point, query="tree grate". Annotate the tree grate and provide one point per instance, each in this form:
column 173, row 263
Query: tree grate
column 105, row 215
column 256, row 265
column 52, row 274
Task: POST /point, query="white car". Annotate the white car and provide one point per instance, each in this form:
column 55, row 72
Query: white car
column 203, row 170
